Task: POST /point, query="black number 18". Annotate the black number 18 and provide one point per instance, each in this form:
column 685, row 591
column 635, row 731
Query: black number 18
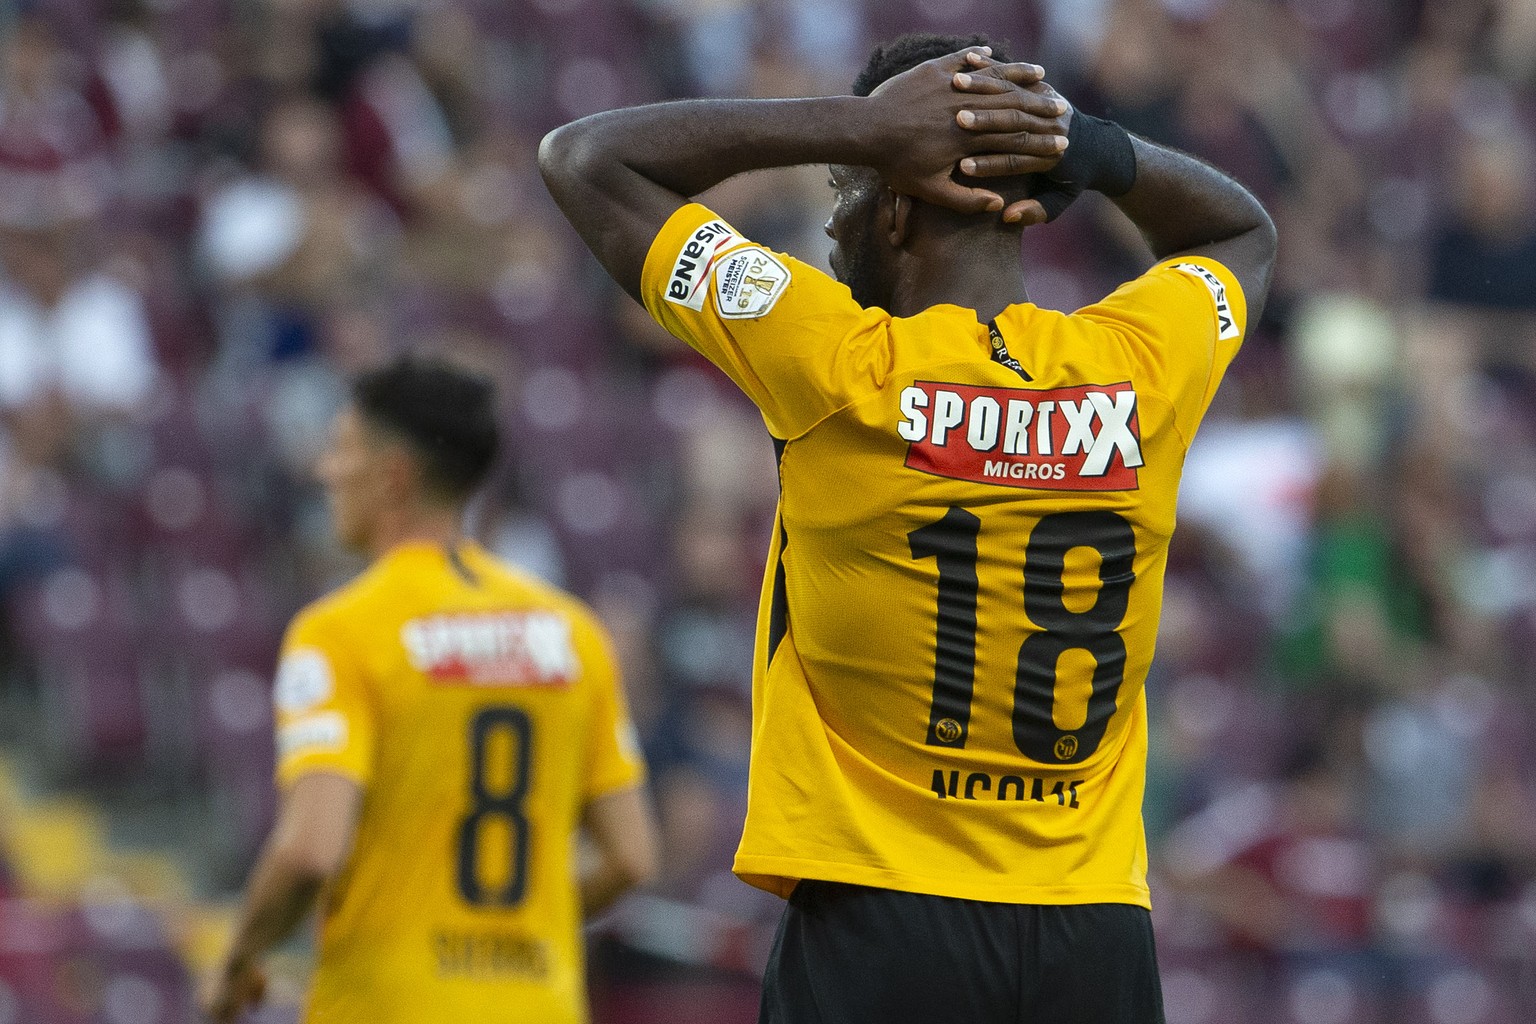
column 951, row 541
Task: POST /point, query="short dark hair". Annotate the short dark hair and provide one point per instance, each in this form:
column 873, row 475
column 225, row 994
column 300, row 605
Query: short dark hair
column 445, row 413
column 903, row 54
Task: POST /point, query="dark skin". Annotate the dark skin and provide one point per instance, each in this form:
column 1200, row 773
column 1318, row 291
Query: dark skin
column 908, row 234
column 1181, row 205
column 619, row 175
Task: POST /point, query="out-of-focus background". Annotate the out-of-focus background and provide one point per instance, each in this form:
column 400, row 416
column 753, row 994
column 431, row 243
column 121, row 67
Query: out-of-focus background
column 212, row 211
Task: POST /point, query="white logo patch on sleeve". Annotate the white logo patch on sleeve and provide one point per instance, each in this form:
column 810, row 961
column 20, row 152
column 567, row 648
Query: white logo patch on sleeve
column 695, row 260
column 325, row 731
column 1226, row 322
column 748, row 282
column 303, row 681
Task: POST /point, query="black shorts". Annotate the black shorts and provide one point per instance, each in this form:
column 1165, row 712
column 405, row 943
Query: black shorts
column 849, row 954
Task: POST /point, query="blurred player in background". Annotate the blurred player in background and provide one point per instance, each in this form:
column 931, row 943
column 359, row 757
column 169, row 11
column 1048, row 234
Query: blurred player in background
column 446, row 725
column 962, row 596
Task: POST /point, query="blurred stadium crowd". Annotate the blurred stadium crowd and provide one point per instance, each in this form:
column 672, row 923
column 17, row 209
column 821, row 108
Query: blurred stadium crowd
column 211, row 211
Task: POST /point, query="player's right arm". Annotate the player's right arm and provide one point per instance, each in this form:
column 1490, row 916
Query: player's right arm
column 618, row 176
column 325, row 735
column 625, row 846
column 309, row 844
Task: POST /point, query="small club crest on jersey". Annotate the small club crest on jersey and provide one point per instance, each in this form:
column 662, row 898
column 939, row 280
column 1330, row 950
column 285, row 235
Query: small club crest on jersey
column 1084, row 438
column 492, row 649
column 748, row 282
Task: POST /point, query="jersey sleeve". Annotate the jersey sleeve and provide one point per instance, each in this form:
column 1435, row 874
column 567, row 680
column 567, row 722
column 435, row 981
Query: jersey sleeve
column 1181, row 323
column 614, row 761
column 323, row 710
column 791, row 337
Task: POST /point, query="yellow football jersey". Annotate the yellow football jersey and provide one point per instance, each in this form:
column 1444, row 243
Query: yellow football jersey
column 963, row 588
column 480, row 710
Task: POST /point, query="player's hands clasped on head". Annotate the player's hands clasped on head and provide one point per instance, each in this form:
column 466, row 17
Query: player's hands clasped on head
column 1010, row 132
column 920, row 110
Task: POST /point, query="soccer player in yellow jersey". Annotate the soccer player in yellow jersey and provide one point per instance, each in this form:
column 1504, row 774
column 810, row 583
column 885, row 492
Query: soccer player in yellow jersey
column 445, row 725
column 962, row 593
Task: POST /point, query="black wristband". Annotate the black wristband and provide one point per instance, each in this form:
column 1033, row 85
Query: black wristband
column 1053, row 196
column 1099, row 156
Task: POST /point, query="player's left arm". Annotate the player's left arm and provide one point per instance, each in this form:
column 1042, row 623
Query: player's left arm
column 307, row 847
column 622, row 828
column 618, row 176
column 616, row 811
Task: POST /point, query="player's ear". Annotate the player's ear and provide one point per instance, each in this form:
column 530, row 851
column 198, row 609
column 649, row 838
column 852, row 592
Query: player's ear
column 901, row 212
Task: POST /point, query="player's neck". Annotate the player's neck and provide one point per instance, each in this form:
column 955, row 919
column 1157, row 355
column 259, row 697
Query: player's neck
column 442, row 527
column 987, row 282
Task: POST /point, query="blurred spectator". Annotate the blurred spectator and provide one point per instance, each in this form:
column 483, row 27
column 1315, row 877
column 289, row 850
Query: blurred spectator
column 53, row 164
column 1485, row 255
column 32, row 541
column 292, row 236
column 74, row 342
column 1283, row 866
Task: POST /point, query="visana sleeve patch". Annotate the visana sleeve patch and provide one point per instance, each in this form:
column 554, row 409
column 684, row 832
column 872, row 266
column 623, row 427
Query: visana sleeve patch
column 1226, row 322
column 695, row 260
column 748, row 283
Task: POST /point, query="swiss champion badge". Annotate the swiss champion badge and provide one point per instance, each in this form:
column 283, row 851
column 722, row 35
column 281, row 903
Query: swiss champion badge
column 748, row 282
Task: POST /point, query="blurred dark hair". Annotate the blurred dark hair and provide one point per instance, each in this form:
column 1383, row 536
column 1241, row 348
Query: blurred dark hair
column 890, row 59
column 445, row 413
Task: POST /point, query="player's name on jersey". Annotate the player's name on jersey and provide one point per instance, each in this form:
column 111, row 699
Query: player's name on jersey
column 490, row 954
column 957, row 785
column 511, row 648
column 1084, row 438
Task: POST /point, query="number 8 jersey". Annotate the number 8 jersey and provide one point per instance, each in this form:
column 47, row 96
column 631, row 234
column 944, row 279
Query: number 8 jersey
column 963, row 589
column 480, row 711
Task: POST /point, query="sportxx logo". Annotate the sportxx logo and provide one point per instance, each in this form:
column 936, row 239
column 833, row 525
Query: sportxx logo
column 1085, row 438
column 492, row 648
column 695, row 260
